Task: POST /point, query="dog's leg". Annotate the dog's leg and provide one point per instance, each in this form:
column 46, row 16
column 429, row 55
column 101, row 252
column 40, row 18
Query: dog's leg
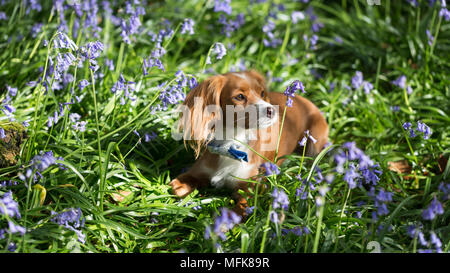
column 186, row 183
column 241, row 202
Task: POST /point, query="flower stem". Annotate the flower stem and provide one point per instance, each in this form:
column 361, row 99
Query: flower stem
column 266, row 229
column 318, row 229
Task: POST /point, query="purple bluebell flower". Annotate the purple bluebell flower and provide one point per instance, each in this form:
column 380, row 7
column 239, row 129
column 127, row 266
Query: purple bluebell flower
column 3, row 16
column 291, row 89
column 338, row 40
column 129, row 27
column 80, row 126
column 82, row 84
column 187, row 26
column 2, row 133
column 71, row 219
column 320, row 201
column 407, row 125
column 270, row 168
column 380, row 201
column 110, row 64
column 220, row 50
column 249, row 210
column 357, row 80
column 268, row 29
column 152, row 62
column 223, row 6
column 63, row 41
column 306, row 137
column 9, row 206
column 395, row 108
column 36, row 29
column 273, row 216
column 230, row 25
column 280, row 199
column 149, row 137
column 297, row 16
column 444, row 12
column 434, row 239
column 425, row 129
column 43, row 161
column 409, row 90
column 430, row 37
column 225, row 222
column 367, row 86
column 435, row 208
column 350, row 176
column 400, row 81
column 445, row 189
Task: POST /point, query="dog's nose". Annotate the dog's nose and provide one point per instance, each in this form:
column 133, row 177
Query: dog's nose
column 270, row 112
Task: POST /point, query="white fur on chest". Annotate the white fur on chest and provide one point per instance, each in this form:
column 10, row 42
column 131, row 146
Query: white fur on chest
column 228, row 172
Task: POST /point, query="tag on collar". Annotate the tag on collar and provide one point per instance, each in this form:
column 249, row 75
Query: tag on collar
column 228, row 149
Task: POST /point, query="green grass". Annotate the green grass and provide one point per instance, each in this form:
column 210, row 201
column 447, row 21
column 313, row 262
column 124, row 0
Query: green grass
column 120, row 182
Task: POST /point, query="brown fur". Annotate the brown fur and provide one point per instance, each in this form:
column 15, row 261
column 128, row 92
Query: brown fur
column 220, row 90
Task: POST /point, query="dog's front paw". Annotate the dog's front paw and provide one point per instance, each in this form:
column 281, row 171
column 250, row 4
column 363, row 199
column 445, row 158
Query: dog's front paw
column 180, row 189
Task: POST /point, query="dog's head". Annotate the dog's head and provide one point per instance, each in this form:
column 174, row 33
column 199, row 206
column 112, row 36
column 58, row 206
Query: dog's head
column 237, row 100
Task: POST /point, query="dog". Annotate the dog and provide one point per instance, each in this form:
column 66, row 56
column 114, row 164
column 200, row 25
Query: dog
column 246, row 141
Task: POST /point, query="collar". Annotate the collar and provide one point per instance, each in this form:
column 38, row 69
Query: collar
column 228, row 148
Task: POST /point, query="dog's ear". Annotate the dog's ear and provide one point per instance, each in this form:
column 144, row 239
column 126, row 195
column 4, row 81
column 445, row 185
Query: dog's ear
column 195, row 123
column 258, row 78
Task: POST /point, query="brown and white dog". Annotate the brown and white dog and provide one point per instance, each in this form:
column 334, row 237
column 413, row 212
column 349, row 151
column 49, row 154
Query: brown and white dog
column 231, row 95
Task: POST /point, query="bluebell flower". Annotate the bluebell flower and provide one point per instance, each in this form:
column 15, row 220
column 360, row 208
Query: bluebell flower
column 270, row 168
column 273, row 216
column 249, row 210
column 430, row 37
column 230, row 25
column 280, row 199
column 367, row 86
column 82, row 84
column 350, row 176
column 445, row 189
column 63, row 41
column 357, row 80
column 9, row 206
column 301, row 192
column 220, row 50
column 223, row 6
column 425, row 129
column 2, row 133
column 149, row 137
column 306, row 137
column 3, row 16
column 225, row 222
column 297, row 16
column 291, row 89
column 43, row 161
column 187, row 26
column 444, row 12
column 338, row 40
column 36, row 29
column 152, row 62
column 400, row 81
column 70, row 219
column 435, row 240
column 435, row 208
column 395, row 108
column 407, row 125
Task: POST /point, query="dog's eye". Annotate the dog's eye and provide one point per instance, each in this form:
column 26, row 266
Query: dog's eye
column 262, row 94
column 240, row 97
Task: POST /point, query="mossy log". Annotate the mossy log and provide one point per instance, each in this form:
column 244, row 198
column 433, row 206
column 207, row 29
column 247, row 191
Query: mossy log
column 10, row 143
